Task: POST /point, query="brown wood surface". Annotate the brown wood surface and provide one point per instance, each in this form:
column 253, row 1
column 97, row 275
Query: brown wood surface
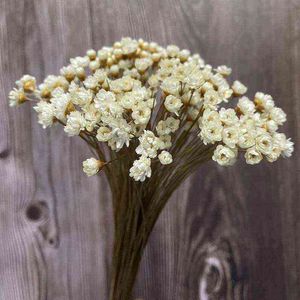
column 229, row 233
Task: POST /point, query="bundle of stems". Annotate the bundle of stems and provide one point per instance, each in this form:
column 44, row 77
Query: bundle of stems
column 137, row 205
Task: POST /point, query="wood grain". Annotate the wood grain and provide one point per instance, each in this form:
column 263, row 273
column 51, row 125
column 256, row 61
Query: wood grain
column 226, row 234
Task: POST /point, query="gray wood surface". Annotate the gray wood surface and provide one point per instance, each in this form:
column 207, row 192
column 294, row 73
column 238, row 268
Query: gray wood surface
column 226, row 234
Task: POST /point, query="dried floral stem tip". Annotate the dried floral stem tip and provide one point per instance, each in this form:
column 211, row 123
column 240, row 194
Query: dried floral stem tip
column 92, row 166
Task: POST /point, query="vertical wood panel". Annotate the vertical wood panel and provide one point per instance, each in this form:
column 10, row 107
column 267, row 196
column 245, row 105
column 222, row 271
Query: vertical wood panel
column 226, row 234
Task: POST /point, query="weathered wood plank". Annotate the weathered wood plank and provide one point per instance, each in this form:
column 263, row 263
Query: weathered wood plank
column 227, row 234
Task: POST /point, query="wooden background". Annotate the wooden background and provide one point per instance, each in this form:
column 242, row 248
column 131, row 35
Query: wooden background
column 228, row 233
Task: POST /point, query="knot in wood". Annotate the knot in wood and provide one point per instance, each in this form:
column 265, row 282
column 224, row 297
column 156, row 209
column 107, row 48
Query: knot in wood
column 37, row 212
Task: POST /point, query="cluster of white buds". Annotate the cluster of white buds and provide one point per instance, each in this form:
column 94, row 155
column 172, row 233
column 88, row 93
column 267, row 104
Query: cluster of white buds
column 151, row 100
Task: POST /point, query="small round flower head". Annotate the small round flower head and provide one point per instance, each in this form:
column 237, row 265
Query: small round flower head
column 45, row 112
column 170, row 86
column 62, row 106
column 69, row 72
column 263, row 101
column 194, row 80
column 75, row 123
column 91, row 53
column 278, row 115
column 165, row 141
column 141, row 114
column 129, row 46
column 92, row 166
column 165, row 158
column 246, row 106
column 211, row 132
column 211, row 99
column 16, row 97
column 90, row 82
column 228, row 116
column 173, row 104
column 224, row 156
column 284, row 144
column 230, row 136
column 264, row 143
column 172, row 124
column 253, row 156
column 143, row 64
column 238, row 88
column 80, row 61
column 27, row 83
column 104, row 134
column 224, row 70
column 246, row 138
column 141, row 169
column 149, row 144
column 173, row 50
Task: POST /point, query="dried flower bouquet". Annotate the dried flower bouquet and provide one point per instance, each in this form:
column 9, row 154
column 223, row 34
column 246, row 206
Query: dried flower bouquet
column 151, row 116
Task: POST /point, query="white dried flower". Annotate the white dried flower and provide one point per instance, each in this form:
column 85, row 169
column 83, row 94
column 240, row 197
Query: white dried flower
column 165, row 158
column 16, row 97
column 246, row 106
column 129, row 46
column 284, row 144
column 246, row 138
column 278, row 115
column 27, row 83
column 141, row 169
column 103, row 53
column 264, row 143
column 172, row 50
column 69, row 72
column 172, row 124
column 91, row 53
column 253, row 156
column 224, row 156
column 149, row 144
column 104, row 134
column 92, row 166
column 143, row 64
column 75, row 123
column 224, row 70
column 79, row 95
column 228, row 116
column 209, row 116
column 94, row 65
column 173, row 104
column 45, row 112
column 165, row 141
column 62, row 104
column 238, row 88
column 104, row 96
column 80, row 62
column 263, row 101
column 230, row 136
column 194, row 79
column 100, row 75
column 274, row 154
column 211, row 132
column 211, row 99
column 141, row 114
column 90, row 82
column 288, row 148
column 170, row 86
column 53, row 82
column 121, row 133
